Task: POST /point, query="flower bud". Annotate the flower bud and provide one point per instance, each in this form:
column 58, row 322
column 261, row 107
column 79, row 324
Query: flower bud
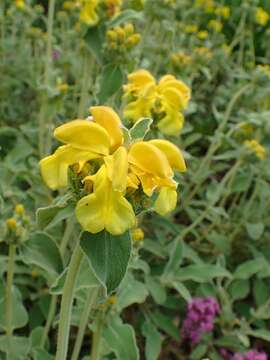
column 11, row 224
column 19, row 209
column 137, row 234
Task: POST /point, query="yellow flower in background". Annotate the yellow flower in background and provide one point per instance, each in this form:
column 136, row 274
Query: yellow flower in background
column 165, row 99
column 223, row 11
column 256, row 148
column 191, row 29
column 20, row 4
column 261, row 16
column 215, row 25
column 113, row 7
column 88, row 14
column 109, row 170
column 202, row 34
column 207, row 5
column 122, row 37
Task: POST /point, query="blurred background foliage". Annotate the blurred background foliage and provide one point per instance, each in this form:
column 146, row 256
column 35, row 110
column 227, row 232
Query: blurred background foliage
column 217, row 241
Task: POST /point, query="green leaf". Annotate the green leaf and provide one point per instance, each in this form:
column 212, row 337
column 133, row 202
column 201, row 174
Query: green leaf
column 182, row 290
column 166, row 324
column 152, row 341
column 131, row 291
column 94, row 38
column 125, row 16
column 20, row 345
column 176, row 257
column 156, row 289
column 49, row 216
column 249, row 268
column 85, row 279
column 201, row 273
column 42, row 251
column 121, row 339
column 41, row 354
column 140, row 129
column 110, row 82
column 19, row 313
column 260, row 292
column 255, row 231
column 260, row 334
column 108, row 255
column 239, row 289
column 198, row 352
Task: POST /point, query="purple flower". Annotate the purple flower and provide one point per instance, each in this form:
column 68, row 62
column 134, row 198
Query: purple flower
column 250, row 355
column 55, row 55
column 200, row 318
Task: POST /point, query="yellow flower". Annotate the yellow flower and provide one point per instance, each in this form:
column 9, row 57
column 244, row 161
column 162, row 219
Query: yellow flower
column 11, row 224
column 113, row 172
column 203, row 34
column 223, row 11
column 256, row 148
column 261, row 16
column 137, row 234
column 88, row 13
column 165, row 99
column 191, row 29
column 215, row 25
column 208, row 5
column 20, row 4
column 181, row 58
column 19, row 209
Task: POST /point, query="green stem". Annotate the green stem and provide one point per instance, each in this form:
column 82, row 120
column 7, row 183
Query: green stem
column 44, row 99
column 91, row 298
column 97, row 338
column 49, row 42
column 66, row 303
column 49, row 320
column 53, row 303
column 85, row 84
column 8, row 300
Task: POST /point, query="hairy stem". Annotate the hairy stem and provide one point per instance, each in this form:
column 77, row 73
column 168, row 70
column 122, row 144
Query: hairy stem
column 66, row 303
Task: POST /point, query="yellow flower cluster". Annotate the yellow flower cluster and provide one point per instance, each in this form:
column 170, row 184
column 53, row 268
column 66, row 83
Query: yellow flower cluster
column 223, row 11
column 203, row 52
column 113, row 172
column 180, row 59
column 14, row 224
column 165, row 100
column 20, row 4
column 256, row 148
column 92, row 10
column 88, row 12
column 122, row 37
column 207, row 5
column 112, row 7
column 215, row 25
column 261, row 16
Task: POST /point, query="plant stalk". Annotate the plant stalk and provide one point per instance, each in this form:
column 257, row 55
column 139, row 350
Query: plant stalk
column 97, row 338
column 8, row 300
column 66, row 303
column 90, row 301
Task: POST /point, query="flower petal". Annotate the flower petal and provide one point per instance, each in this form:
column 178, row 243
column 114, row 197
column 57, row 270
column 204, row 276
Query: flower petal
column 110, row 121
column 166, row 201
column 54, row 168
column 105, row 208
column 173, row 154
column 117, row 168
column 138, row 80
column 172, row 123
column 149, row 159
column 84, row 135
